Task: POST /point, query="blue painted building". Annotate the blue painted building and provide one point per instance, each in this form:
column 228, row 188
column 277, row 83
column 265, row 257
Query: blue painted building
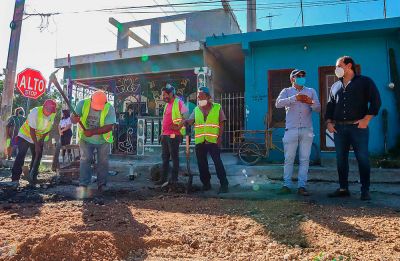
column 269, row 56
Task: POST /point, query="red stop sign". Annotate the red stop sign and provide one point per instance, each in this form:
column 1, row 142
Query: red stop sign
column 31, row 83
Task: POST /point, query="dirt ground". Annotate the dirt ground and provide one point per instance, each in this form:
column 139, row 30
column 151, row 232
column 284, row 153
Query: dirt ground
column 146, row 225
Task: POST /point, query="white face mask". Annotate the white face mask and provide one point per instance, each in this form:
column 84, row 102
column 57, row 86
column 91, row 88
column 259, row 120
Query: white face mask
column 202, row 103
column 339, row 71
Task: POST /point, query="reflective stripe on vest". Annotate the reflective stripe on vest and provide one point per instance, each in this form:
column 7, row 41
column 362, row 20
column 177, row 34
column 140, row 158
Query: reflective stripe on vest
column 40, row 128
column 208, row 130
column 108, row 137
column 176, row 115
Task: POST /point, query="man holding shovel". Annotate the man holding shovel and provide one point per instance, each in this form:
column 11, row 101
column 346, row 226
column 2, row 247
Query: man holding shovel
column 33, row 133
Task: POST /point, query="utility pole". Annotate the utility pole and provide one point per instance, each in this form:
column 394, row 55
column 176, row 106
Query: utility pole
column 302, row 13
column 384, row 9
column 9, row 82
column 251, row 15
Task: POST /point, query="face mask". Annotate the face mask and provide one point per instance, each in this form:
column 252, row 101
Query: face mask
column 339, row 71
column 300, row 81
column 202, row 103
column 21, row 113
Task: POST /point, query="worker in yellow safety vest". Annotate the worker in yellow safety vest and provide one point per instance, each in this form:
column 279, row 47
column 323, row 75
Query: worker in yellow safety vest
column 32, row 134
column 208, row 119
column 171, row 136
column 98, row 117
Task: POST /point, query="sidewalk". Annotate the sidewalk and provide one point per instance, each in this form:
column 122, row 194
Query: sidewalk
column 127, row 165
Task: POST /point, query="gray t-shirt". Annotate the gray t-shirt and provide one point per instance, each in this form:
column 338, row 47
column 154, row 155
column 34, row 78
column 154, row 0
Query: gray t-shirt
column 93, row 122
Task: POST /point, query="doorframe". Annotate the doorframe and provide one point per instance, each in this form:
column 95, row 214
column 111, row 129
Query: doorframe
column 322, row 71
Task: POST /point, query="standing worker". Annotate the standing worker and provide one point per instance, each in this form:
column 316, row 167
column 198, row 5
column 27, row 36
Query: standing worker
column 171, row 135
column 12, row 129
column 33, row 133
column 98, row 117
column 208, row 119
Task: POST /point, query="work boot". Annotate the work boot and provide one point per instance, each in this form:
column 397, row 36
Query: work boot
column 365, row 195
column 172, row 188
column 206, row 187
column 339, row 193
column 223, row 189
column 284, row 190
column 161, row 181
column 302, row 191
column 101, row 189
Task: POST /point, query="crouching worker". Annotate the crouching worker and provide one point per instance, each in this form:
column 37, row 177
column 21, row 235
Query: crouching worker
column 33, row 133
column 208, row 119
column 98, row 117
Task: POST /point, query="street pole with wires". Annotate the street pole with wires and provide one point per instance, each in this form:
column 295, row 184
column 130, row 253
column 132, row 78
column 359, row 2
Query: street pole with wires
column 9, row 82
column 384, row 9
column 302, row 13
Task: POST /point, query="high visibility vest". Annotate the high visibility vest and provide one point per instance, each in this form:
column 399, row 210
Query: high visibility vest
column 108, row 137
column 176, row 115
column 40, row 128
column 208, row 130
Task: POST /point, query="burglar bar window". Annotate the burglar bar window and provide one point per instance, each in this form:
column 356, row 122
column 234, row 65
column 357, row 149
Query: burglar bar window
column 277, row 80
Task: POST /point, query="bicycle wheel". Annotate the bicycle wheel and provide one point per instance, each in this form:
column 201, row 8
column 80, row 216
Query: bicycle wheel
column 250, row 153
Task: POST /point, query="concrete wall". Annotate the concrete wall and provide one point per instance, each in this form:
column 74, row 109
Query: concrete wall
column 203, row 24
column 153, row 64
column 370, row 52
column 223, row 79
column 199, row 25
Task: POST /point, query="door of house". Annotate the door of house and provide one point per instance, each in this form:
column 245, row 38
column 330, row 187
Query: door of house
column 326, row 78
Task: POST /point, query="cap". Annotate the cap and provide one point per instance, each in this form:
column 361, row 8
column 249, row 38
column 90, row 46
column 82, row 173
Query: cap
column 50, row 105
column 168, row 89
column 205, row 90
column 99, row 99
column 296, row 72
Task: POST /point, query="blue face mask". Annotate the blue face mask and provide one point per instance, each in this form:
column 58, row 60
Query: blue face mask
column 300, row 81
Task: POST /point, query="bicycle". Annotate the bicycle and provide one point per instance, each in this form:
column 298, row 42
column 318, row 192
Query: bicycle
column 251, row 152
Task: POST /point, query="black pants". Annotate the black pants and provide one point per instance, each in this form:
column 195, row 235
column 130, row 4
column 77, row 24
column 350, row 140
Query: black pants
column 66, row 140
column 23, row 146
column 215, row 153
column 351, row 135
column 170, row 149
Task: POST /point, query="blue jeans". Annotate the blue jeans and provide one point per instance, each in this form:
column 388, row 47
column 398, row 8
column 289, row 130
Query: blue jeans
column 345, row 136
column 302, row 138
column 87, row 152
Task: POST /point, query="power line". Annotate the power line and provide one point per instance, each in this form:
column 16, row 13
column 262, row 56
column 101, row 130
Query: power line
column 174, row 21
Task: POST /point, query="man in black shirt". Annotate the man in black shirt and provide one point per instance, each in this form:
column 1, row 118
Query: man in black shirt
column 353, row 101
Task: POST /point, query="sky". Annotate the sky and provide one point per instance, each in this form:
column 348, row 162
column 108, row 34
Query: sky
column 76, row 32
